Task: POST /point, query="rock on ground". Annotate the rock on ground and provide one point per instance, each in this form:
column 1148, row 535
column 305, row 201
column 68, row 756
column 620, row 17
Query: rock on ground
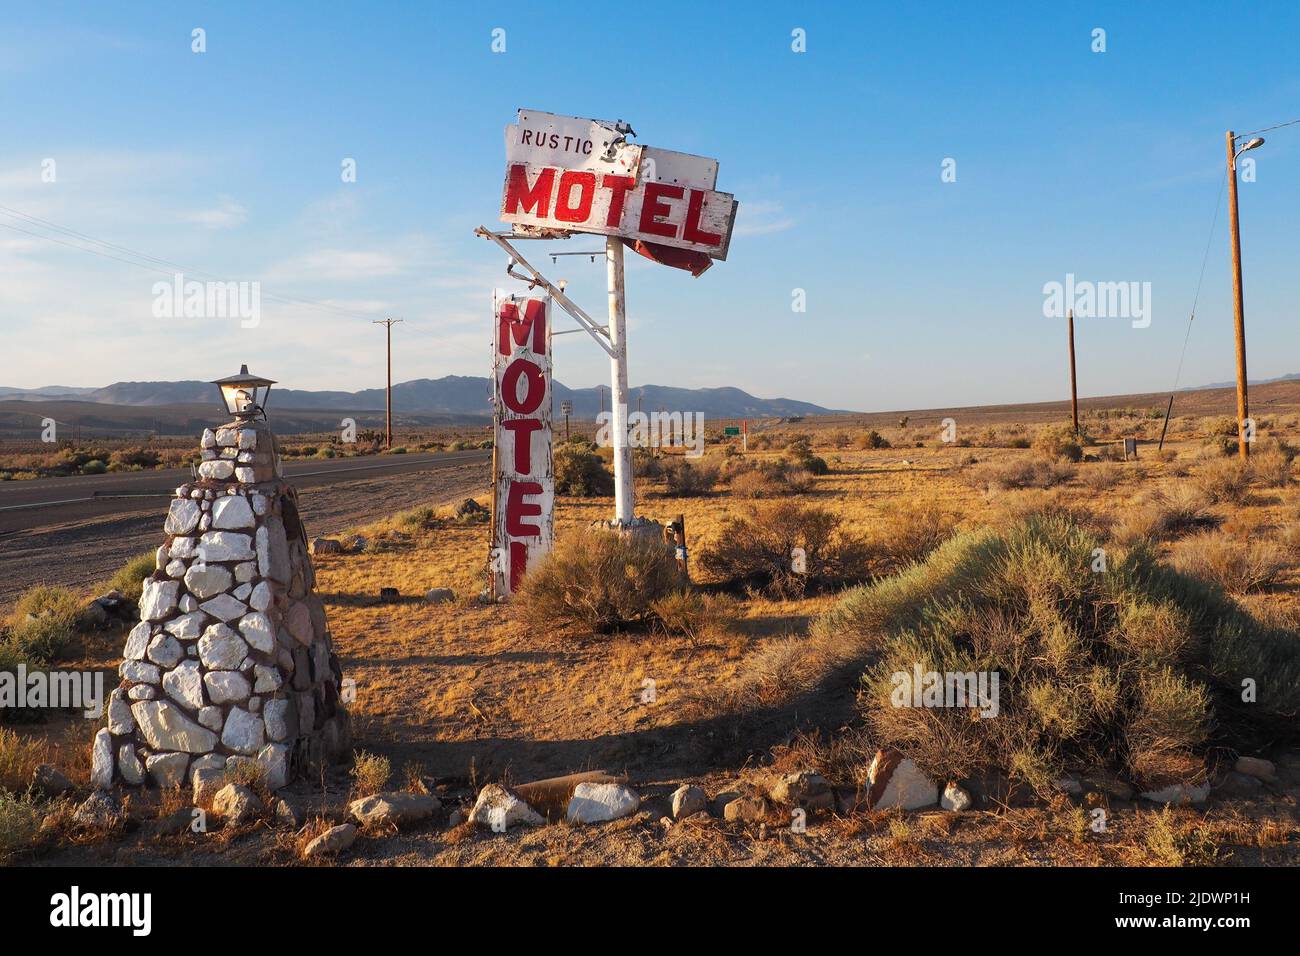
column 898, row 783
column 332, row 841
column 689, row 800
column 398, row 809
column 601, row 802
column 99, row 811
column 499, row 809
column 803, row 789
column 236, row 804
column 955, row 798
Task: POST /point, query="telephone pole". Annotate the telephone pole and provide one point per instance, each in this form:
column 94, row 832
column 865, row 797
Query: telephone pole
column 388, row 398
column 1074, row 382
column 1243, row 408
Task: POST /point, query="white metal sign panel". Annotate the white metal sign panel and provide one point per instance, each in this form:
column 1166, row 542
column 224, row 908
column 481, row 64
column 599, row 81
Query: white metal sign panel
column 523, row 514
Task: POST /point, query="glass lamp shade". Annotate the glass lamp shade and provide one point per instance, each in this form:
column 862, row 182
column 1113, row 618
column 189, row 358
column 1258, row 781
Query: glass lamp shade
column 244, row 395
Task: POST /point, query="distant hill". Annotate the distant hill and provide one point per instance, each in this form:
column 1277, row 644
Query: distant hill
column 1289, row 377
column 452, row 395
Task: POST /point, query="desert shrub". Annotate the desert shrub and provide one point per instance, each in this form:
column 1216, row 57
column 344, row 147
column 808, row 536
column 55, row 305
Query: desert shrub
column 758, row 550
column 1235, row 565
column 799, row 453
column 94, row 467
column 692, row 614
column 1160, row 515
column 44, row 624
column 648, row 464
column 1141, row 655
column 684, row 480
column 757, row 484
column 134, row 459
column 1271, row 464
column 370, row 773
column 19, row 757
column 419, row 518
column 580, row 472
column 872, row 439
column 1224, row 481
column 1019, row 473
column 20, row 821
column 598, row 579
column 1101, row 477
column 907, row 530
column 1059, row 443
column 129, row 579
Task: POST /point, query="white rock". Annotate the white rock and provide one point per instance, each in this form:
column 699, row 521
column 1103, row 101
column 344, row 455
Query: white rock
column 262, row 597
column 183, row 548
column 182, row 516
column 261, row 504
column 120, row 720
column 298, row 622
column 1179, row 794
column 211, row 718
column 220, row 648
column 224, row 607
column 273, row 550
column 187, row 627
column 142, row 692
column 499, row 809
column 245, row 571
column 274, row 758
column 225, row 687
column 955, row 798
column 243, row 732
column 277, row 715
column 158, row 599
column 227, row 436
column 165, row 651
column 257, row 631
column 206, row 580
column 184, row 684
column 247, row 439
column 218, row 469
column 247, row 475
column 266, row 679
column 601, row 802
column 139, row 672
column 175, row 569
column 899, row 784
column 225, row 545
column 188, row 604
column 209, row 439
column 242, row 592
column 165, row 727
column 137, row 642
column 167, row 770
column 232, row 512
column 129, row 765
column 206, row 782
column 101, row 760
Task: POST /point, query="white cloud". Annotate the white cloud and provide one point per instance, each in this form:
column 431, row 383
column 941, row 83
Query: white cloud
column 226, row 215
column 761, row 218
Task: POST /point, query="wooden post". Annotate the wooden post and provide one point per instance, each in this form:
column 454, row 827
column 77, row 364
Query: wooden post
column 1243, row 410
column 1074, row 383
column 388, row 394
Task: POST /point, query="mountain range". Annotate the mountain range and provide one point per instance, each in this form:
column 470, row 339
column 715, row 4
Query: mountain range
column 456, row 395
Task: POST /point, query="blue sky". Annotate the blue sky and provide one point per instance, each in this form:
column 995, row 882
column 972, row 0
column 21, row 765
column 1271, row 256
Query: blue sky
column 920, row 293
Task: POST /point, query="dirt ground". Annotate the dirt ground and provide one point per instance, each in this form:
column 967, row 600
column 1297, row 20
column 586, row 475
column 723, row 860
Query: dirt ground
column 463, row 693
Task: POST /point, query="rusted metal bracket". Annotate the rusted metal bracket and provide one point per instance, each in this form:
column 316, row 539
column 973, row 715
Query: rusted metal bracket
column 535, row 278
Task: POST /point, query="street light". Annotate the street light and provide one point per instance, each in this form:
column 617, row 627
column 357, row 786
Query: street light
column 1243, row 405
column 240, row 394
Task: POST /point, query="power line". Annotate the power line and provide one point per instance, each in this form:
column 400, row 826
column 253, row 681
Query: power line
column 44, row 223
column 1267, row 129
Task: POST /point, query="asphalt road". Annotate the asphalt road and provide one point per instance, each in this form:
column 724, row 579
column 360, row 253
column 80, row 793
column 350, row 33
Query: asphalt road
column 78, row 530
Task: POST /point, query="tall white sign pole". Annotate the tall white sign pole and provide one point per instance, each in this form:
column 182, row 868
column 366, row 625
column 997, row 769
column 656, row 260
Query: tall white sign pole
column 623, row 502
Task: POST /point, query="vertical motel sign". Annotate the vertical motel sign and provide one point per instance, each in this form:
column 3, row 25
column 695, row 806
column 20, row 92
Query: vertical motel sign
column 523, row 492
column 568, row 175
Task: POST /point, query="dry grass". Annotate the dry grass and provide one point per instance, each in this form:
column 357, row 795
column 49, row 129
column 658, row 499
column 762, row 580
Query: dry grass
column 370, row 773
column 1241, row 567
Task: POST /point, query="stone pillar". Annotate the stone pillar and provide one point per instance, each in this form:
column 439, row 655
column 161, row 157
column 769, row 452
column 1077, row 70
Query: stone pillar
column 232, row 659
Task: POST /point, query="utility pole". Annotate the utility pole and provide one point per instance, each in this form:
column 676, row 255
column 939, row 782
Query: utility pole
column 1074, row 382
column 1243, row 406
column 388, row 398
